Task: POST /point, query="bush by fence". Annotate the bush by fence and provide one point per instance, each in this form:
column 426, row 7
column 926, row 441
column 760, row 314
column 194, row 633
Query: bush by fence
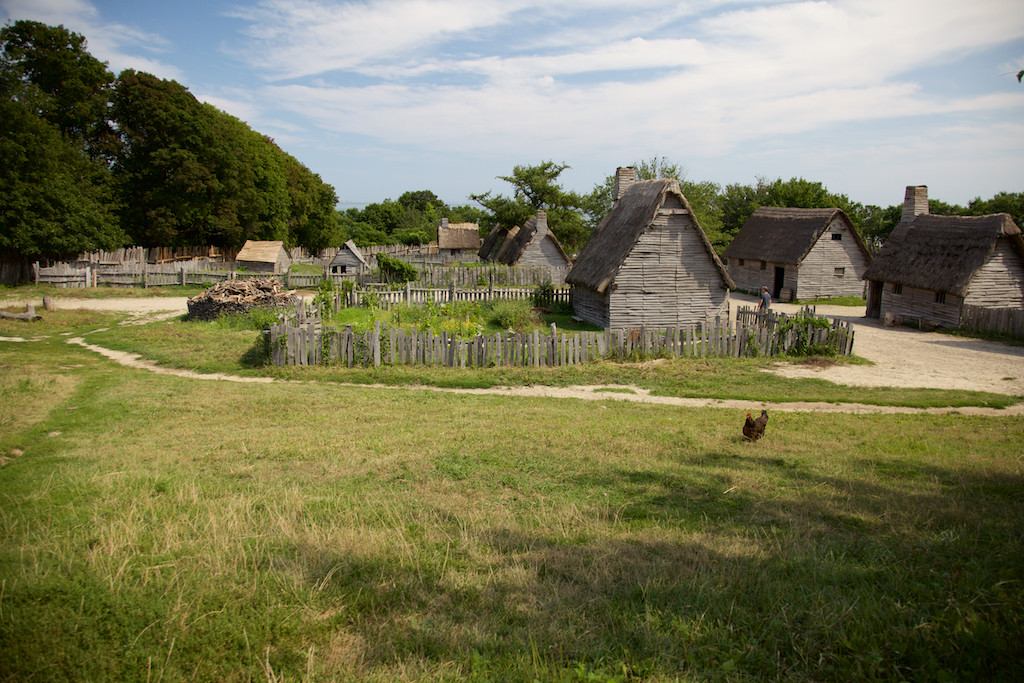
column 308, row 342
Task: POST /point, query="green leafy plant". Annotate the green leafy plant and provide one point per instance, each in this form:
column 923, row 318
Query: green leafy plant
column 512, row 315
column 395, row 270
column 543, row 296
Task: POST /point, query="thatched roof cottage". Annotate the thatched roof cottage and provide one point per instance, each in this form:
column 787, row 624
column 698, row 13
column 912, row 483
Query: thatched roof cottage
column 348, row 259
column 798, row 254
column 263, row 257
column 932, row 268
column 649, row 262
column 458, row 239
column 533, row 244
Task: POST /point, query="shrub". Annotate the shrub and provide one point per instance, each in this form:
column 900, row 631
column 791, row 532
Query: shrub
column 394, row 270
column 512, row 315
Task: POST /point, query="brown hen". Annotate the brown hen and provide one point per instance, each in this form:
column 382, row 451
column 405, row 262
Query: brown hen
column 754, row 429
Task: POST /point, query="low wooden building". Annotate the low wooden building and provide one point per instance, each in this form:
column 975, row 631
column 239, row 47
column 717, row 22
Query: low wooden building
column 348, row 260
column 458, row 239
column 934, row 269
column 533, row 244
column 649, row 262
column 259, row 256
column 798, row 254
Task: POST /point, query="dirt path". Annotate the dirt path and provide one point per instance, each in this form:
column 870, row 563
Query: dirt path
column 901, row 357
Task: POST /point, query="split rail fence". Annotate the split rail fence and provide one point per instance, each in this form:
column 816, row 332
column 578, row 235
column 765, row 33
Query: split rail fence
column 308, row 342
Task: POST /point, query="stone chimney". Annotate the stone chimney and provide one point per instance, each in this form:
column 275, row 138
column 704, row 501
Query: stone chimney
column 444, row 223
column 624, row 177
column 542, row 224
column 915, row 203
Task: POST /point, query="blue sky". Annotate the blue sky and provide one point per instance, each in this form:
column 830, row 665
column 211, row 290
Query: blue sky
column 384, row 96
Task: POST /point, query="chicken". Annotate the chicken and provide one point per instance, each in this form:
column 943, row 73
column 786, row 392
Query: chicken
column 754, row 429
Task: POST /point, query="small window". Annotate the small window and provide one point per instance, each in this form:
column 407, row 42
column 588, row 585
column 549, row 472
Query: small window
column 897, row 288
column 837, row 236
column 840, row 272
column 763, row 265
column 740, row 261
column 940, row 297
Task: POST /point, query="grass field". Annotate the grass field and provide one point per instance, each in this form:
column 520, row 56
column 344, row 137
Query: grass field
column 160, row 528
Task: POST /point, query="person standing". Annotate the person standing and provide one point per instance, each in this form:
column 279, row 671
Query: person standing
column 765, row 301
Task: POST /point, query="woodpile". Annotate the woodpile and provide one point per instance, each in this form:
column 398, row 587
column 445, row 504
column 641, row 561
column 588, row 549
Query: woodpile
column 240, row 296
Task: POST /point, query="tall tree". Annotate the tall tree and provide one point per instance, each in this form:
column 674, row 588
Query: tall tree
column 54, row 200
column 77, row 86
column 535, row 188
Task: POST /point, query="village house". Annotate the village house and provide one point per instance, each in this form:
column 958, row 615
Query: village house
column 259, row 256
column 933, row 270
column 798, row 254
column 649, row 262
column 348, row 260
column 533, row 244
column 458, row 239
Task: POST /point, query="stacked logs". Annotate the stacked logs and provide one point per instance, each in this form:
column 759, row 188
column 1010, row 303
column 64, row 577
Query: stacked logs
column 240, row 296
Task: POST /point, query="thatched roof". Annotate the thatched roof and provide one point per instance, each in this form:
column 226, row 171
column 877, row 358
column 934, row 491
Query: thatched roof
column 256, row 251
column 506, row 245
column 348, row 248
column 613, row 240
column 535, row 228
column 492, row 243
column 783, row 235
column 458, row 235
column 941, row 253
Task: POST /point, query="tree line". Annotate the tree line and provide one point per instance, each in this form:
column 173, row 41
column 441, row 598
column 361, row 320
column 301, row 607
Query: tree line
column 93, row 161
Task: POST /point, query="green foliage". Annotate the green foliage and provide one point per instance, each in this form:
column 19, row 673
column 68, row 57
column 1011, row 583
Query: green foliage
column 536, row 188
column 323, row 300
column 516, row 316
column 394, row 270
column 801, row 325
column 543, row 296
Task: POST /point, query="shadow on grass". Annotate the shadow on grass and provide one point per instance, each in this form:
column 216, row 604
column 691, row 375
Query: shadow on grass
column 817, row 578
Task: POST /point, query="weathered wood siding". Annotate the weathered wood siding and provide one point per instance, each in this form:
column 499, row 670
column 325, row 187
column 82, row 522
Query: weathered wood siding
column 920, row 305
column 542, row 252
column 750, row 277
column 668, row 278
column 1000, row 282
column 589, row 305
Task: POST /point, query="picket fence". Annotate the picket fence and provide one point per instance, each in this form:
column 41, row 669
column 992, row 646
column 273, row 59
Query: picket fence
column 308, row 342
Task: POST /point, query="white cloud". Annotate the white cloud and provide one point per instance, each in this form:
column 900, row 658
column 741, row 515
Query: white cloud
column 119, row 45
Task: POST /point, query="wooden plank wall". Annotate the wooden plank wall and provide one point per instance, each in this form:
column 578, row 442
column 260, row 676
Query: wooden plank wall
column 310, row 343
column 1008, row 321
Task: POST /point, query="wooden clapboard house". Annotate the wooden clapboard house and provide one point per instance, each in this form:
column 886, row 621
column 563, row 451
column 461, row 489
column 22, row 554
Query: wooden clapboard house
column 933, row 267
column 349, row 259
column 532, row 244
column 263, row 257
column 649, row 262
column 798, row 254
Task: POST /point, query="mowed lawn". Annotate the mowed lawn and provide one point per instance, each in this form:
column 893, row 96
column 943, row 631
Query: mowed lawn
column 159, row 528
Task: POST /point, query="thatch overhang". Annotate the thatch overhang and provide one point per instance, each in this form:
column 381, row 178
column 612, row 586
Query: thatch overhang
column 942, row 253
column 786, row 235
column 257, row 251
column 536, row 227
column 614, row 238
column 462, row 236
column 493, row 242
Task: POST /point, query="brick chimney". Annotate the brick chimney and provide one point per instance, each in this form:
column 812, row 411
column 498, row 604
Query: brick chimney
column 624, row 177
column 915, row 203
